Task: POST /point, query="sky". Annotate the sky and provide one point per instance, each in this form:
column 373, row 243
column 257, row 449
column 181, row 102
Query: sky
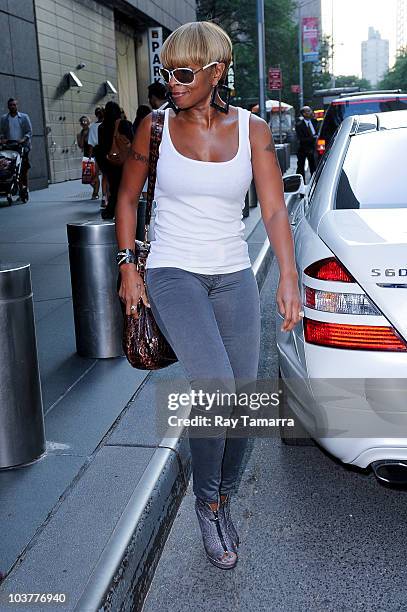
column 352, row 19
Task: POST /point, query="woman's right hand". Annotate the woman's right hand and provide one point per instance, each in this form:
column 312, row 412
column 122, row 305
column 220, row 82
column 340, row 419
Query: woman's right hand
column 131, row 288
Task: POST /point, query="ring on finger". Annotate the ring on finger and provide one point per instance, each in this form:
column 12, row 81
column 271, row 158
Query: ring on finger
column 133, row 307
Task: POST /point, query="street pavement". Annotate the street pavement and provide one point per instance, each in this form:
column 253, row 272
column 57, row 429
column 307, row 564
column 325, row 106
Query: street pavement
column 58, row 513
column 316, row 536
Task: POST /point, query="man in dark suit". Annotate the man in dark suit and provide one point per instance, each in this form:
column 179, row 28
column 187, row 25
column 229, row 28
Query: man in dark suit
column 307, row 130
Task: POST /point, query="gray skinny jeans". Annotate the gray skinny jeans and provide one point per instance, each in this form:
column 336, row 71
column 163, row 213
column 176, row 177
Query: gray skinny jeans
column 212, row 322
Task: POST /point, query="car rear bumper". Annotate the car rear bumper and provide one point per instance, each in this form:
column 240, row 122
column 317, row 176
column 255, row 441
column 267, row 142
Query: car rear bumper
column 326, row 362
column 361, row 452
column 351, row 402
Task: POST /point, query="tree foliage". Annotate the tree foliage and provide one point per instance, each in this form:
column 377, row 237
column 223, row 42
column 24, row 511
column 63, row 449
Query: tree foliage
column 238, row 18
column 397, row 76
column 352, row 81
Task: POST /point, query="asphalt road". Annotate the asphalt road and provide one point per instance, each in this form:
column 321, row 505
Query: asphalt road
column 316, row 536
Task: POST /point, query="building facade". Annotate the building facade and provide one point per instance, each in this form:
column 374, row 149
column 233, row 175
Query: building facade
column 65, row 57
column 20, row 77
column 375, row 57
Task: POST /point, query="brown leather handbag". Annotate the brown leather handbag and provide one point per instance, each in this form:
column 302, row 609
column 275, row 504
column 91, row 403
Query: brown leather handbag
column 144, row 344
column 120, row 148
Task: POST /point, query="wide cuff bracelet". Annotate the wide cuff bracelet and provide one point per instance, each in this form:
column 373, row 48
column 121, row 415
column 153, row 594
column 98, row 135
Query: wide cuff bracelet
column 126, row 256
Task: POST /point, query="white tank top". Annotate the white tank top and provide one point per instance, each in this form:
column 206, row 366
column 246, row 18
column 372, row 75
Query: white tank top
column 198, row 217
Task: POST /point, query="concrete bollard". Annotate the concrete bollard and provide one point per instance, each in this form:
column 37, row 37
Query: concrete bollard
column 22, row 435
column 246, row 208
column 141, row 218
column 280, row 150
column 287, row 150
column 97, row 313
column 252, row 195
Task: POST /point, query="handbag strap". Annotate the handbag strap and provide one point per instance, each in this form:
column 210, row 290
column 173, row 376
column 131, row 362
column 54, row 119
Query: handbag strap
column 115, row 132
column 155, row 140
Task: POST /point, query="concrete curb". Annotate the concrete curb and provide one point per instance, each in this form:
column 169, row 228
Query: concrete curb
column 125, row 569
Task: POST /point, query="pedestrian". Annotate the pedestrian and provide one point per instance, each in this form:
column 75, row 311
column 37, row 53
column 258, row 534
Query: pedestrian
column 142, row 111
column 106, row 130
column 199, row 281
column 93, row 143
column 157, row 95
column 82, row 139
column 307, row 130
column 16, row 126
column 82, row 136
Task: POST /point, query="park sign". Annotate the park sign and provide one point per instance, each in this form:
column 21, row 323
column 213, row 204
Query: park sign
column 231, row 78
column 310, row 39
column 275, row 80
column 155, row 42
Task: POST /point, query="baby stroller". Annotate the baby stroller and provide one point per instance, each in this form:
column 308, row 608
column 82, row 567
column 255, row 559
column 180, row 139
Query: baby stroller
column 11, row 157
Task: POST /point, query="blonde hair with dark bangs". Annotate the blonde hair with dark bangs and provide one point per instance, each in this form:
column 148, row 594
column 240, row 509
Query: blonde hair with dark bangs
column 197, row 42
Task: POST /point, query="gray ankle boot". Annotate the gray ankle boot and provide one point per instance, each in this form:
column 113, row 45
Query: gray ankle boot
column 225, row 510
column 218, row 545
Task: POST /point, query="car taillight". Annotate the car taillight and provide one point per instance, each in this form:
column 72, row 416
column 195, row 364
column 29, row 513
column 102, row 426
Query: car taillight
column 337, row 302
column 329, row 269
column 321, row 145
column 341, row 303
column 353, row 337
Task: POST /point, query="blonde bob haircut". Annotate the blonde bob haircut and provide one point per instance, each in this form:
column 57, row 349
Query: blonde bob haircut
column 197, row 42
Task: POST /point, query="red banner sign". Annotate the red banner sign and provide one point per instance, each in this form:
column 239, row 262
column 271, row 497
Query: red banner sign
column 275, row 78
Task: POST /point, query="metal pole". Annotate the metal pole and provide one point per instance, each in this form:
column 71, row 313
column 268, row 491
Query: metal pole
column 262, row 60
column 301, row 95
column 333, row 45
column 279, row 114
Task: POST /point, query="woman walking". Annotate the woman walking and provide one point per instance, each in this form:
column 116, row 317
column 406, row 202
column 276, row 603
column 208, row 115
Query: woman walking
column 82, row 140
column 112, row 119
column 200, row 284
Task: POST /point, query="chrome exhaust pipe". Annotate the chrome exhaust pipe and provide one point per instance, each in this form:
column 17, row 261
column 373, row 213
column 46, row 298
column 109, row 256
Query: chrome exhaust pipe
column 390, row 471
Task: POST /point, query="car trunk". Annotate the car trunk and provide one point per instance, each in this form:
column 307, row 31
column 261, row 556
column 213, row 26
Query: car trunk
column 372, row 245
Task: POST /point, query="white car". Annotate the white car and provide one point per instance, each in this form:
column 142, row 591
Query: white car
column 344, row 366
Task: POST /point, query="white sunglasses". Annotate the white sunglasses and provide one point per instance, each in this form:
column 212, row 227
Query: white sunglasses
column 183, row 76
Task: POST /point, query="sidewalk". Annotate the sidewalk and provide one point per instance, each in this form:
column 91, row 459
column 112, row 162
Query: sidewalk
column 104, row 496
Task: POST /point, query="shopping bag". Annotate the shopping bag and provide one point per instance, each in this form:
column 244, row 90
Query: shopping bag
column 88, row 170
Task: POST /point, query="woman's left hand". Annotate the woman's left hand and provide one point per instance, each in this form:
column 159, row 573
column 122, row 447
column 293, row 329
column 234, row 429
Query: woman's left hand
column 289, row 301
